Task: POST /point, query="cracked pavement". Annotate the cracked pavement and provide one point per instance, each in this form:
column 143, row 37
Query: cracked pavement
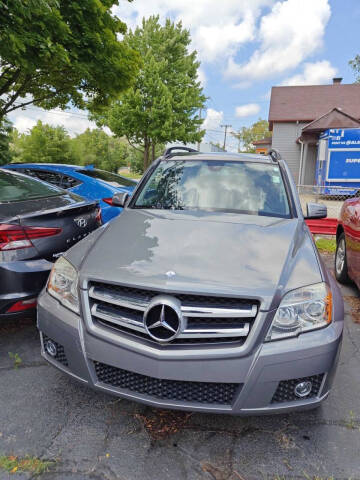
column 44, row 413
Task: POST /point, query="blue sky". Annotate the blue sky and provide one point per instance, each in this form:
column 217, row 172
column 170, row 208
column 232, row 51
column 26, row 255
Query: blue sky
column 245, row 47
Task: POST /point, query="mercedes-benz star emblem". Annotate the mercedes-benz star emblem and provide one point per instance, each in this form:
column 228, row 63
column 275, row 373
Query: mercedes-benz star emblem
column 80, row 222
column 163, row 320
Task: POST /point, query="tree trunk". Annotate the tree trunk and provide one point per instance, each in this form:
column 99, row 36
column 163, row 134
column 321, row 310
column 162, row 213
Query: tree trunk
column 146, row 154
column 153, row 151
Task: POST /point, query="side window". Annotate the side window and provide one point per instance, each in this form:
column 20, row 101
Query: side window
column 50, row 177
column 69, row 182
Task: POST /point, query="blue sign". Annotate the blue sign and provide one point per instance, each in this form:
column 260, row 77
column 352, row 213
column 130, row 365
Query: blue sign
column 343, row 138
column 344, row 166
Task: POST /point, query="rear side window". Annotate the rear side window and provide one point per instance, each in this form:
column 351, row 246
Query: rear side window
column 108, row 177
column 69, row 182
column 50, row 177
column 15, row 188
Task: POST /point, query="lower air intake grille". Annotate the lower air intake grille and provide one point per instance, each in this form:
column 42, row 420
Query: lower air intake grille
column 199, row 392
column 60, row 352
column 285, row 391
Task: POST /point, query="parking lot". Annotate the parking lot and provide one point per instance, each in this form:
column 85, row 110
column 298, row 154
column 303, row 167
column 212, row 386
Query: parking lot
column 45, row 414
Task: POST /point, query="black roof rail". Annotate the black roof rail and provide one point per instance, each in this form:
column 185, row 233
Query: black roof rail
column 170, row 150
column 274, row 155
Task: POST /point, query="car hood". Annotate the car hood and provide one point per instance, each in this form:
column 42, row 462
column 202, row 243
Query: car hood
column 250, row 256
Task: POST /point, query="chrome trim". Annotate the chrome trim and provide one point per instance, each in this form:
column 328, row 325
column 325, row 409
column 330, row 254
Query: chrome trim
column 118, row 319
column 118, row 299
column 97, row 293
column 220, row 312
column 212, row 332
column 207, row 331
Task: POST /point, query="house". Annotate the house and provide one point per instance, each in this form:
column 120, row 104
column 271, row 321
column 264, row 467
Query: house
column 299, row 114
column 262, row 146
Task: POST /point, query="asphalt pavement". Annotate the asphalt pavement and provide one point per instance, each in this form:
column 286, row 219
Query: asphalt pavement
column 87, row 435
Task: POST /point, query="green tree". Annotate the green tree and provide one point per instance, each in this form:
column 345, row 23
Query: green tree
column 162, row 105
column 53, row 52
column 95, row 147
column 5, row 137
column 248, row 135
column 45, row 144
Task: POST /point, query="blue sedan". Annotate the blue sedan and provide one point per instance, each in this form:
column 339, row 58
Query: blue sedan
column 87, row 181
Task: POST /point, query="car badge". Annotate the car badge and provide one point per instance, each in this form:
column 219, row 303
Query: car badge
column 80, row 222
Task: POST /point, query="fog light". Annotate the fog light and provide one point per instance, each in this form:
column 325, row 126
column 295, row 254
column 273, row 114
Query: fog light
column 50, row 348
column 303, row 389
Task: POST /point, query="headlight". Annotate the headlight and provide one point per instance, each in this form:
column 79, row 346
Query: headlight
column 63, row 284
column 301, row 310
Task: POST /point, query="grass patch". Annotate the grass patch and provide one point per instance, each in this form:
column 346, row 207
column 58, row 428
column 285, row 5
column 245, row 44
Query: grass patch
column 33, row 465
column 134, row 176
column 326, row 245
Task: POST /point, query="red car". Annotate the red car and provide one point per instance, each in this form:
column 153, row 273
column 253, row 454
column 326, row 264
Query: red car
column 347, row 257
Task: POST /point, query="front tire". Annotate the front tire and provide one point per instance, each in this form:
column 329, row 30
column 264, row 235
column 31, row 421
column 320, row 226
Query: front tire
column 341, row 269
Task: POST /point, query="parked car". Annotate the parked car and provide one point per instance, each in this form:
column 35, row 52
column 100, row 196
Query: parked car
column 91, row 183
column 347, row 256
column 207, row 293
column 38, row 222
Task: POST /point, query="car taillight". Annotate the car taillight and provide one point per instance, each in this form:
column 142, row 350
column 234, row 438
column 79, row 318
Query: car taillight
column 108, row 201
column 13, row 237
column 22, row 305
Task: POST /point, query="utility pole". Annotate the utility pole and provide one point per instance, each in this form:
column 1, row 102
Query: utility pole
column 200, row 113
column 226, row 126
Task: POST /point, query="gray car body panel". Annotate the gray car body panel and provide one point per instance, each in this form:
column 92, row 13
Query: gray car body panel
column 231, row 255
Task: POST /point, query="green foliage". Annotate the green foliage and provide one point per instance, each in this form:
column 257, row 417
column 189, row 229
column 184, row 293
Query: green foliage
column 162, row 105
column 5, row 132
column 47, row 144
column 53, row 52
column 355, row 64
column 95, row 147
column 247, row 135
column 44, row 144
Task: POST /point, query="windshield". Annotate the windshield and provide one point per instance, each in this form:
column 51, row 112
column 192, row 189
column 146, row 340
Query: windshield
column 230, row 186
column 15, row 187
column 110, row 178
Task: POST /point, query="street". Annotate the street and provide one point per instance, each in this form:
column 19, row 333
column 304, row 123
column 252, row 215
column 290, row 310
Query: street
column 88, row 435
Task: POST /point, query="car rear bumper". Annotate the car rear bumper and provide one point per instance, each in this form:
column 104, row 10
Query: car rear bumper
column 130, row 374
column 21, row 280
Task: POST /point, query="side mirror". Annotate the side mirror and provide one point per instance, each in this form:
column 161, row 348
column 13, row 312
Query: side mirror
column 316, row 210
column 120, row 199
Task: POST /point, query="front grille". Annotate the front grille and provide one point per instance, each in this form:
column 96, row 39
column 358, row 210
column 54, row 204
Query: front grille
column 186, row 298
column 285, row 391
column 60, row 351
column 176, row 390
column 207, row 319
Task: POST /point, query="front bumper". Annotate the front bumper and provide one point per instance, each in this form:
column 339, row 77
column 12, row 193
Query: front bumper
column 257, row 373
column 21, row 280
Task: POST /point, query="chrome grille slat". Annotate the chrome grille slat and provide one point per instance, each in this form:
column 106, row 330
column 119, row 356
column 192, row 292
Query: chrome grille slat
column 249, row 311
column 221, row 319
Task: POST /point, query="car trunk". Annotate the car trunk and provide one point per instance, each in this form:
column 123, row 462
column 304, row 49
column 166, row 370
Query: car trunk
column 74, row 219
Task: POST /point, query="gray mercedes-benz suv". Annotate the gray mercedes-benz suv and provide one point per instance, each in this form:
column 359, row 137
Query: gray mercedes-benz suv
column 207, row 293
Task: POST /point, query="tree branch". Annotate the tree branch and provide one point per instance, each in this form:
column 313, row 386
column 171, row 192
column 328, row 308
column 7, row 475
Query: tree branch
column 136, row 148
column 9, row 82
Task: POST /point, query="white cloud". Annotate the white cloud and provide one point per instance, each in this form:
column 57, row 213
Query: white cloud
column 217, row 30
column 317, row 73
column 202, row 77
column 213, row 119
column 292, row 31
column 74, row 122
column 247, row 110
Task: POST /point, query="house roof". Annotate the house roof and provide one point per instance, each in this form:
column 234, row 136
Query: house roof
column 336, row 118
column 309, row 102
column 263, row 141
